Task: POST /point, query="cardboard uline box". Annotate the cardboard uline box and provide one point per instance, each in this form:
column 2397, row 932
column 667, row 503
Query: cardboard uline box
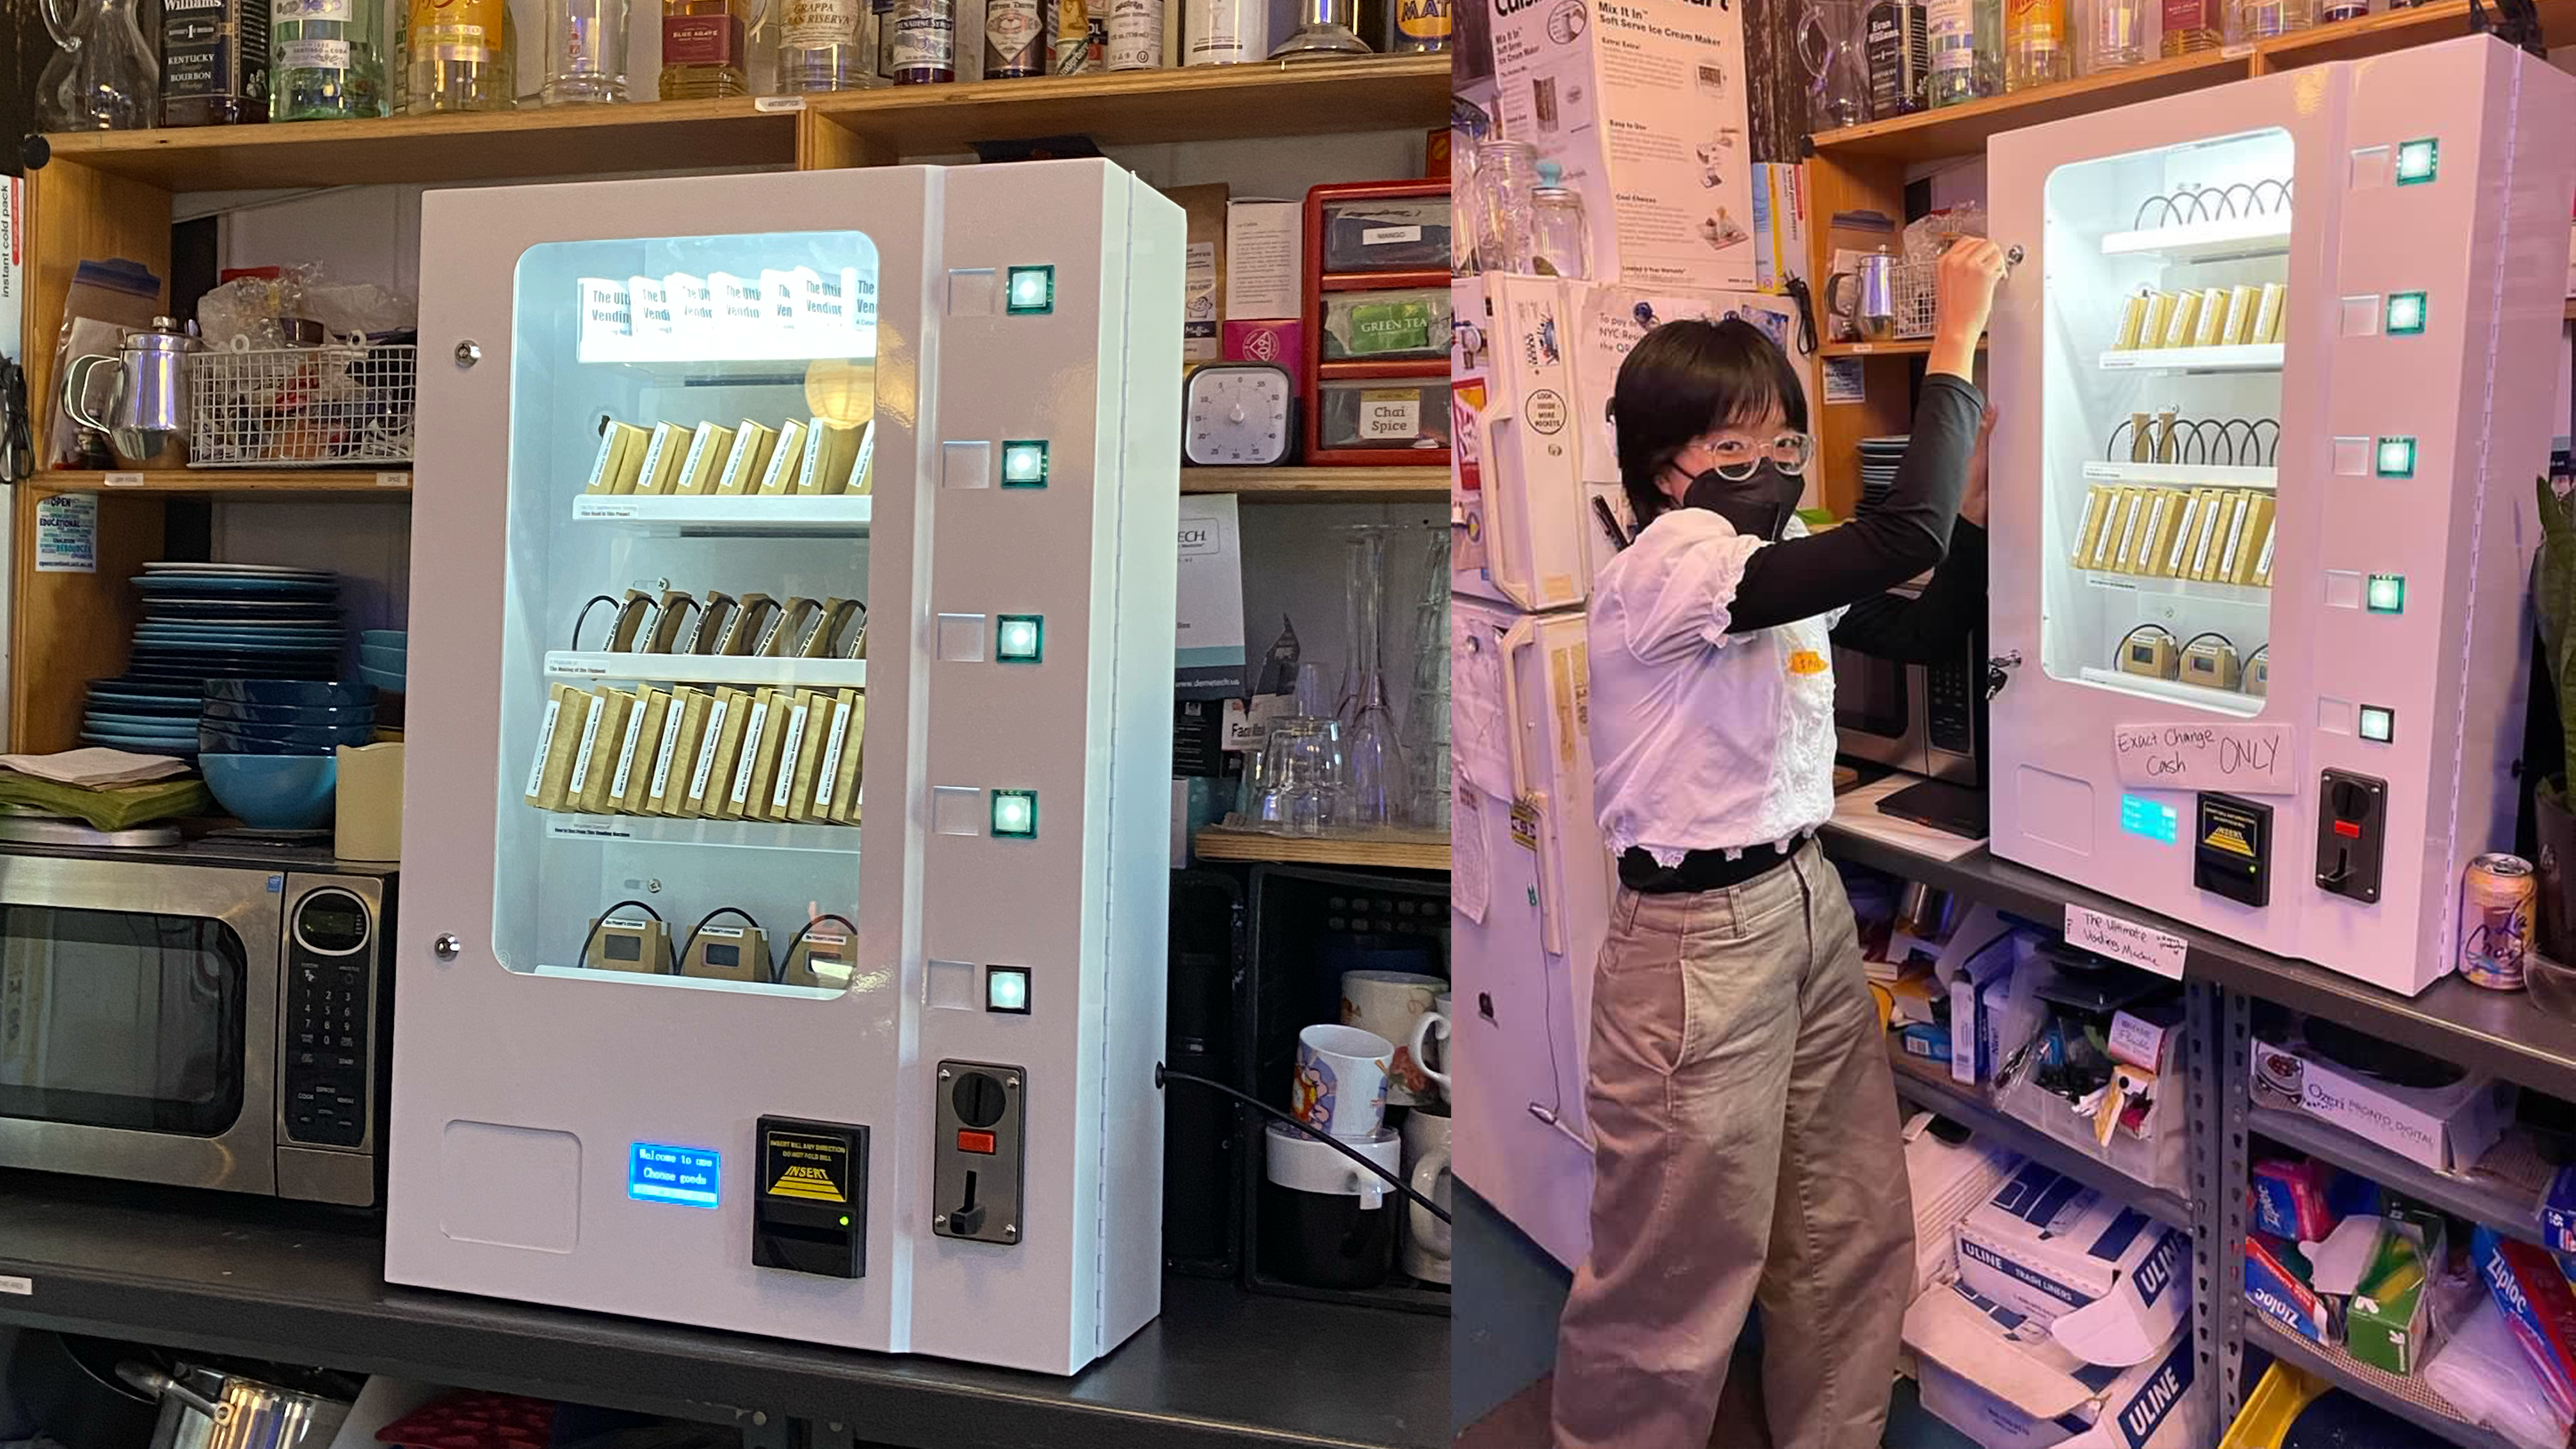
column 2444, row 1128
column 2106, row 1280
column 1985, row 1372
column 1642, row 105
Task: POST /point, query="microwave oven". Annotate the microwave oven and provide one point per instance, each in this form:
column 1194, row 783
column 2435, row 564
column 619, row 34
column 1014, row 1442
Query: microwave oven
column 1925, row 718
column 202, row 1017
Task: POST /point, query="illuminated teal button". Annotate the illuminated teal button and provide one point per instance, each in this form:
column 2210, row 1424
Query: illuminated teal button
column 1032, row 290
column 1015, row 813
column 1018, row 639
column 2405, row 313
column 2151, row 818
column 1006, row 988
column 2385, row 594
column 2396, row 458
column 2378, row 725
column 1024, row 464
column 2416, row 160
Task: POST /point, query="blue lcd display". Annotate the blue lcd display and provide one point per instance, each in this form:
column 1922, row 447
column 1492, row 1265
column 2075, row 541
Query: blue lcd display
column 690, row 1176
column 2150, row 818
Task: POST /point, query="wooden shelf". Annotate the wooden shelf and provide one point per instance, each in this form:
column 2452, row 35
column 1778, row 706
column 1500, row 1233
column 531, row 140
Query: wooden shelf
column 1321, row 485
column 1194, row 103
column 562, row 141
column 1384, row 850
column 232, row 482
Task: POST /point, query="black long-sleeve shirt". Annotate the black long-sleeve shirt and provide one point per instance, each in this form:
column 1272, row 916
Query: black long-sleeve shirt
column 1856, row 563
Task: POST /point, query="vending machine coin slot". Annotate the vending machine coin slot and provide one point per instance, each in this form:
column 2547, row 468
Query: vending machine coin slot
column 2231, row 851
column 2352, row 834
column 977, row 1152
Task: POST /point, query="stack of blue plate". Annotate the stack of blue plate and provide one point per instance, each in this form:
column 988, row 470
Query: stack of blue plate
column 146, row 716
column 207, row 621
column 285, row 716
column 1878, row 460
column 382, row 657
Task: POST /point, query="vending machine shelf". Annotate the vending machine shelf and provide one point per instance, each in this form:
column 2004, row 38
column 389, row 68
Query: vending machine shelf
column 709, row 669
column 2250, row 357
column 2225, row 239
column 658, row 516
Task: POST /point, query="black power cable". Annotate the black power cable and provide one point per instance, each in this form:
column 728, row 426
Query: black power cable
column 1162, row 1073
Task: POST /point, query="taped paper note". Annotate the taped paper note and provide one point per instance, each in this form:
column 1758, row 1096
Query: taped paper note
column 2246, row 759
column 2159, row 951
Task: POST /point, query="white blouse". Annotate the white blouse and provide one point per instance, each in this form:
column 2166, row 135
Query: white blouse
column 1701, row 739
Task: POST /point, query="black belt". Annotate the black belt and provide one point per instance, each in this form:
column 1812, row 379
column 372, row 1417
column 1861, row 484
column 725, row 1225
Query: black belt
column 1703, row 870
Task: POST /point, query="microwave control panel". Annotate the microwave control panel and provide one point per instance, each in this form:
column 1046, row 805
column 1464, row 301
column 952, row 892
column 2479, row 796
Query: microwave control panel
column 328, row 980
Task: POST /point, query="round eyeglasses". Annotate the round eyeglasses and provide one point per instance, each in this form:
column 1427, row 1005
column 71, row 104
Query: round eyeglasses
column 1736, row 458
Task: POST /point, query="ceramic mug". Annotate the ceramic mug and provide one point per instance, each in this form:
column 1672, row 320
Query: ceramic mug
column 1389, row 1003
column 1425, row 1253
column 1340, row 1087
column 1433, row 1022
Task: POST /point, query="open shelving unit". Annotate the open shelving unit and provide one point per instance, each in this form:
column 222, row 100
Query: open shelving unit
column 1378, row 850
column 109, row 194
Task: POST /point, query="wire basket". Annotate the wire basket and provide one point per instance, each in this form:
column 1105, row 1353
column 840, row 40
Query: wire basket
column 338, row 404
column 1910, row 285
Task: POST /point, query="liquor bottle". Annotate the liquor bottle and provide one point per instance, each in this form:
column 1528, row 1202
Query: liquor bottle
column 704, row 47
column 1966, row 42
column 214, row 62
column 463, row 56
column 2252, row 20
column 2190, row 25
column 1221, row 32
column 585, row 52
column 881, row 38
column 2118, row 29
column 329, row 60
column 1899, row 55
column 1420, row 26
column 1017, row 39
column 2334, row 10
column 925, row 42
column 1136, row 34
column 818, row 46
column 2036, row 52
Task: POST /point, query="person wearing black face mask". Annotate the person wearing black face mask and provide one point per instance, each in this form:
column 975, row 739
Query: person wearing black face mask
column 1743, row 1117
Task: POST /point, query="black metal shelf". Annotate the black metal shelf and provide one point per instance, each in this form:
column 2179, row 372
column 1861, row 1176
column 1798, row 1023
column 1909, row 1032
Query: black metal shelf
column 2408, row 1399
column 1971, row 1107
column 214, row 1273
column 2496, row 1199
column 2491, row 1031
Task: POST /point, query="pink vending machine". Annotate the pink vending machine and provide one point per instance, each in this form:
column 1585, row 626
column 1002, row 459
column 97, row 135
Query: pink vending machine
column 2275, row 379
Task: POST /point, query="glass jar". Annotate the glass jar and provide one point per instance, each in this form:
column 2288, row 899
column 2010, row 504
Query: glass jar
column 327, row 60
column 462, row 56
column 1559, row 246
column 2117, row 30
column 585, row 52
column 1506, row 204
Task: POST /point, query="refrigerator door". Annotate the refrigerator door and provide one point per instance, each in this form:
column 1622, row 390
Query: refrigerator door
column 1531, row 887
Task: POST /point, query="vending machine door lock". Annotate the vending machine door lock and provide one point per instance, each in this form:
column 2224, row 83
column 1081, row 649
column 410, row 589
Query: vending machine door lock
column 2352, row 834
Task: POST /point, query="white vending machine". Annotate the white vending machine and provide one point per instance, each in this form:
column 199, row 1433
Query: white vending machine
column 2275, row 384
column 744, row 503
column 1531, row 878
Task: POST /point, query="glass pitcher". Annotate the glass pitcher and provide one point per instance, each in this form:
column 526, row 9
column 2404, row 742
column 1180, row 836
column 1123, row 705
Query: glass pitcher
column 105, row 79
column 1830, row 45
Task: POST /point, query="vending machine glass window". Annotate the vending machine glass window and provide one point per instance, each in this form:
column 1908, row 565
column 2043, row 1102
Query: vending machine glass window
column 684, row 628
column 2163, row 360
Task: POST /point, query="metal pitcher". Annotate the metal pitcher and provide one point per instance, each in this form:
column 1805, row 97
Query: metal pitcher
column 1867, row 312
column 203, row 1408
column 146, row 418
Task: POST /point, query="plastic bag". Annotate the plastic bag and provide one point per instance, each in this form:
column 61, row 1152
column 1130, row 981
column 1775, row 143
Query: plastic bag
column 1925, row 236
column 2483, row 1373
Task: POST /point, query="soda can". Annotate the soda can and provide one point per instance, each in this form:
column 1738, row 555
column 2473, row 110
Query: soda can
column 2495, row 920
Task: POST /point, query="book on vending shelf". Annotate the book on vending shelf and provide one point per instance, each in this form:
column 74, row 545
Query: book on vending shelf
column 709, row 445
column 621, row 453
column 587, row 790
column 644, row 733
column 747, row 458
column 786, row 461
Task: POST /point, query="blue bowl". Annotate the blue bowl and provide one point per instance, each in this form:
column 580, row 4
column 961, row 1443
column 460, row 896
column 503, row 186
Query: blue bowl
column 229, row 713
column 394, row 639
column 273, row 792
column 392, row 661
column 307, row 692
column 272, row 739
column 390, row 680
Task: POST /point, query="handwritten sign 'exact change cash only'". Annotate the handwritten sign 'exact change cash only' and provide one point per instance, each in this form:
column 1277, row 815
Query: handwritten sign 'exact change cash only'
column 2245, row 759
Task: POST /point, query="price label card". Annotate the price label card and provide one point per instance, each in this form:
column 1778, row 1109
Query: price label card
column 2248, row 759
column 772, row 104
column 393, row 480
column 124, row 480
column 2144, row 946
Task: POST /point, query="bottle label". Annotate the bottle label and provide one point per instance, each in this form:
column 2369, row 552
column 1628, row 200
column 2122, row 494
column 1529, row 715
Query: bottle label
column 464, row 31
column 1135, row 34
column 214, row 50
column 812, row 24
column 313, row 55
column 1015, row 37
column 1224, row 31
column 1072, row 37
column 2187, row 15
column 925, row 36
column 710, row 40
column 1422, row 24
column 297, row 12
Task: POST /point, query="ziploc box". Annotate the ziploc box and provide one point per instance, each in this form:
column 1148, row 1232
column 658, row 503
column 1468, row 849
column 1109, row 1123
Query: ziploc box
column 2531, row 1290
column 1642, row 105
column 1995, row 1376
column 2048, row 1247
column 2558, row 1212
column 2274, row 1288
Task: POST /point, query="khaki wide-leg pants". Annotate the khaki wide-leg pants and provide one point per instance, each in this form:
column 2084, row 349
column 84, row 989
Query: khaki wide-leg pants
column 1746, row 1150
